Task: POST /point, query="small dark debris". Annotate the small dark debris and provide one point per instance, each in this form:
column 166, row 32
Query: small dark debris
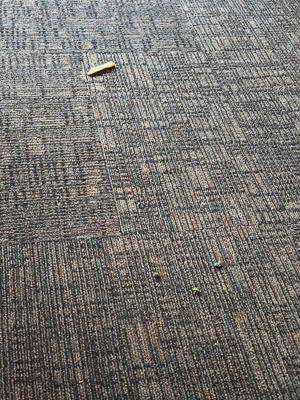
column 218, row 264
column 196, row 290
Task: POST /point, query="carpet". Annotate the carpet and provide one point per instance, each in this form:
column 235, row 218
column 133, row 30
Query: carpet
column 149, row 235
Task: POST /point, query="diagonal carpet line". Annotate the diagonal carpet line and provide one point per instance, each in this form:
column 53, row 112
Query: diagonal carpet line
column 106, row 163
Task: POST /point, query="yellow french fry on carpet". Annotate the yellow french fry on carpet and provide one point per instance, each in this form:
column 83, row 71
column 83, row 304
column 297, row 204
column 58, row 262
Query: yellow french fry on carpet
column 101, row 67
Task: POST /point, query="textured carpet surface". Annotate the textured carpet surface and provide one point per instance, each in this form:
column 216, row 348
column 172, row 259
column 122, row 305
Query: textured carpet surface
column 186, row 154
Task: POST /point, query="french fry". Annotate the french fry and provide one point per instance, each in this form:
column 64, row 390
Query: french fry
column 101, row 67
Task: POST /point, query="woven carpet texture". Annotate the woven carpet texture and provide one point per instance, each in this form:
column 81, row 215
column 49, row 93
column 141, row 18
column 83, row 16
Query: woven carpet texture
column 119, row 193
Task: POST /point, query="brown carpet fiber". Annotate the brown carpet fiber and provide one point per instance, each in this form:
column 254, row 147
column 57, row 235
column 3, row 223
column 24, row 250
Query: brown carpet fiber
column 118, row 193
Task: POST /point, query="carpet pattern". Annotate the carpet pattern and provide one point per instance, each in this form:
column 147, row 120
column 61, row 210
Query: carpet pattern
column 185, row 154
